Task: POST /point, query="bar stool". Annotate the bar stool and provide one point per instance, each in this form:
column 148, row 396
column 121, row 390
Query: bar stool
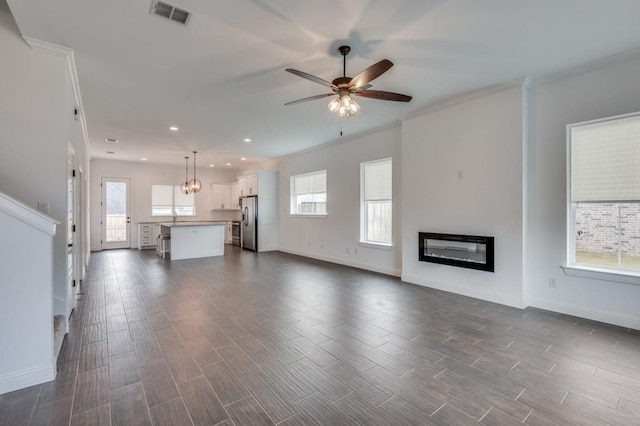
column 163, row 245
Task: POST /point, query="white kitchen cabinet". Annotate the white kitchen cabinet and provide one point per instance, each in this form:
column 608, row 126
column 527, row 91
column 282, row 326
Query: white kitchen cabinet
column 242, row 186
column 221, row 196
column 147, row 234
column 235, row 195
column 251, row 184
column 228, row 234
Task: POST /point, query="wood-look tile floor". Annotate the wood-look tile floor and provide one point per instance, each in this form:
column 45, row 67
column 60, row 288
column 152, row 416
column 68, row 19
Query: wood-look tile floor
column 271, row 338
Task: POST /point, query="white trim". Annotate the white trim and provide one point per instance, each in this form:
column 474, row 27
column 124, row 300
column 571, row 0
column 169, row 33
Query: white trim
column 342, row 139
column 378, row 246
column 608, row 61
column 27, row 377
column 67, row 53
column 27, row 214
column 339, row 261
column 466, row 97
column 608, row 317
column 309, row 216
column 477, row 292
column 618, row 276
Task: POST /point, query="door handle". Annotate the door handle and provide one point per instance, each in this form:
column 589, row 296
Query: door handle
column 69, row 245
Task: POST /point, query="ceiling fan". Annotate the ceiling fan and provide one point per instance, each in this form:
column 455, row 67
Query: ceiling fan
column 345, row 86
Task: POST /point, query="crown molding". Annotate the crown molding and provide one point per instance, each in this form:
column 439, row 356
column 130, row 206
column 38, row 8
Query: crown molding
column 467, row 96
column 342, row 139
column 605, row 62
column 67, row 53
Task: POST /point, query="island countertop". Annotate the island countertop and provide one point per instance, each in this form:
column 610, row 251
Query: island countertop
column 204, row 223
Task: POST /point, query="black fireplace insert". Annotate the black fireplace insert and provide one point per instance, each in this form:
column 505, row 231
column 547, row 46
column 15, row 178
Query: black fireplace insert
column 465, row 251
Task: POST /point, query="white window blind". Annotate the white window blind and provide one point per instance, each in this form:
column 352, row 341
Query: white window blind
column 162, row 195
column 377, row 180
column 181, row 199
column 376, row 202
column 605, row 161
column 167, row 200
column 309, row 193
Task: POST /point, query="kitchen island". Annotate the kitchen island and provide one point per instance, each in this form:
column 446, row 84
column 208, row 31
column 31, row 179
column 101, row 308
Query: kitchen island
column 190, row 240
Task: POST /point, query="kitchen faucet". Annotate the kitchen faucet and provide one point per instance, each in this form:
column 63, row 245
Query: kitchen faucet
column 175, row 216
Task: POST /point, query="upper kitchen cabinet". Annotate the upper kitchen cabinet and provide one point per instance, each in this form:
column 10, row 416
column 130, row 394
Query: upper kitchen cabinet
column 221, row 196
column 235, row 195
column 248, row 184
column 251, row 184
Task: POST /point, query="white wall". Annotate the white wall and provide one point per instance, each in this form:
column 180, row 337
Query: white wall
column 26, row 307
column 601, row 93
column 329, row 238
column 35, row 128
column 482, row 138
column 142, row 176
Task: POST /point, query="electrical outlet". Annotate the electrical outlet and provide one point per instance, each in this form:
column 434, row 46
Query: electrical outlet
column 355, row 250
column 321, row 245
column 309, row 243
column 348, row 251
column 553, row 283
column 460, row 175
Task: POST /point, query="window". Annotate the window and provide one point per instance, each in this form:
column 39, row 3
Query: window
column 604, row 194
column 167, row 199
column 309, row 194
column 376, row 202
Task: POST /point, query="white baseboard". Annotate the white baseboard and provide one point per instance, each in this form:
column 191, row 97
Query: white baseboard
column 608, row 317
column 477, row 292
column 339, row 261
column 27, row 377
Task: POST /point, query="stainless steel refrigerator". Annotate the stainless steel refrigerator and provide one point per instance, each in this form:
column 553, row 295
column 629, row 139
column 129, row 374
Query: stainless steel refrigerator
column 250, row 223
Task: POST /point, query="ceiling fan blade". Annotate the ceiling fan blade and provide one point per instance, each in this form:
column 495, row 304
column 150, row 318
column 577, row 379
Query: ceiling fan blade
column 312, row 78
column 310, row 98
column 371, row 73
column 383, row 96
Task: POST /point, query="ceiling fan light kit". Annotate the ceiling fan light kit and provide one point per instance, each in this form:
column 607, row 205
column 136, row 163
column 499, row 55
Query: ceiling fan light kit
column 343, row 104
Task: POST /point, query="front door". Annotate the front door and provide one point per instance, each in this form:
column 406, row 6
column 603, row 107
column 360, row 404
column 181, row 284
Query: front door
column 116, row 216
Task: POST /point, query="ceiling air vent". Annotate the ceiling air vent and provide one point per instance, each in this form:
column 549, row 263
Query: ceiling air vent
column 170, row 11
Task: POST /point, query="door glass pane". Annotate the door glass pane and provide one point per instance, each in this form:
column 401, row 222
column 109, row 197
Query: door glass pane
column 116, row 208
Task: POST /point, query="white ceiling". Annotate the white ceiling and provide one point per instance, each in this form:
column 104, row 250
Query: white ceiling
column 221, row 78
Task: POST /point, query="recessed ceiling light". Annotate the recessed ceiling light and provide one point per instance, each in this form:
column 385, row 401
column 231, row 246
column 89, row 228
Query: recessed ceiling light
column 243, row 158
column 144, row 159
column 228, row 164
column 111, row 140
column 247, row 140
column 110, row 152
column 211, row 165
column 173, row 128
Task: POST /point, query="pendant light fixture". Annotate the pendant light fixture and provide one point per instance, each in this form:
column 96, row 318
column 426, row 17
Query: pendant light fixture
column 194, row 185
column 185, row 185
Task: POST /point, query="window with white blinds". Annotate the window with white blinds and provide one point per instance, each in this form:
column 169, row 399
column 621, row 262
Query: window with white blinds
column 376, row 202
column 168, row 199
column 604, row 193
column 605, row 160
column 309, row 194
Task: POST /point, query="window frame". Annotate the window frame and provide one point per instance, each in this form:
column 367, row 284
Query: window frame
column 571, row 268
column 293, row 206
column 363, row 207
column 173, row 203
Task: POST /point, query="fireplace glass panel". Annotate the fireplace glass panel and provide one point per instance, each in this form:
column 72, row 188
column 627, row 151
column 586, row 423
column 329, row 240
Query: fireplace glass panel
column 466, row 251
column 459, row 250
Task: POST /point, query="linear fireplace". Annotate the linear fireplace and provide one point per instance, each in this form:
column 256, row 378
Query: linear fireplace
column 465, row 251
